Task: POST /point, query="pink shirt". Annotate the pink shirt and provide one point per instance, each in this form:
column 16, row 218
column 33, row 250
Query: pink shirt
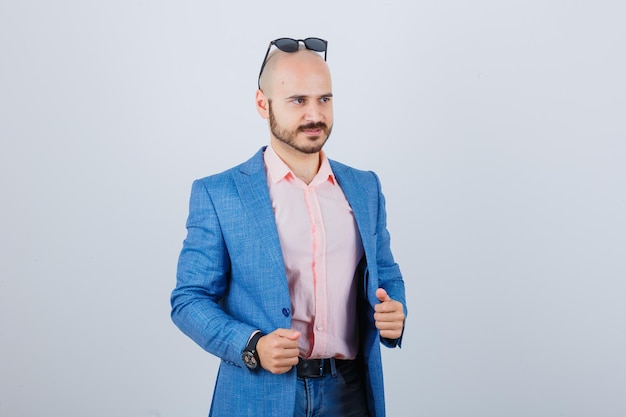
column 321, row 248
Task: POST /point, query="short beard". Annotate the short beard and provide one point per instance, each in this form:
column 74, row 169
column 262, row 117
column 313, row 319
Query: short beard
column 288, row 137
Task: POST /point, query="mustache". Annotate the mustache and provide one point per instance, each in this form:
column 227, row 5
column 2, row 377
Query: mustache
column 316, row 125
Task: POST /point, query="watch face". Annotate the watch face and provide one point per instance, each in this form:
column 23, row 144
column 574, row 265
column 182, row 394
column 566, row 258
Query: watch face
column 249, row 360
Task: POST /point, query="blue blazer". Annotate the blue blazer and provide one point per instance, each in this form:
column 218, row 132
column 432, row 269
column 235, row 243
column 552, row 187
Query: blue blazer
column 231, row 281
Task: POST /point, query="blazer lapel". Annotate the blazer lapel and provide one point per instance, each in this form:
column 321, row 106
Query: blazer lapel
column 357, row 197
column 251, row 182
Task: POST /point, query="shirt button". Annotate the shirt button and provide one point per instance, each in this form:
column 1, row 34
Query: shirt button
column 320, row 328
column 286, row 312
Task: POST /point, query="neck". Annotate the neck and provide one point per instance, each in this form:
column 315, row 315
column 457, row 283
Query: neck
column 303, row 165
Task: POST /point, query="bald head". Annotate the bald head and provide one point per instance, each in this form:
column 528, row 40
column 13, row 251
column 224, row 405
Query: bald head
column 296, row 99
column 299, row 67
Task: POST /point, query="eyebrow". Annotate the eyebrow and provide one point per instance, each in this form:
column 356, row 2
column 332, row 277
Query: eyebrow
column 295, row 96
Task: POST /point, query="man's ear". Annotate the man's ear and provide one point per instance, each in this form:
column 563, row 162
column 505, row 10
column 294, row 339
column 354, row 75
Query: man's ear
column 262, row 104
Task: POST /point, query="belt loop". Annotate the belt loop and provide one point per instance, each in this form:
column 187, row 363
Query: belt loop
column 333, row 368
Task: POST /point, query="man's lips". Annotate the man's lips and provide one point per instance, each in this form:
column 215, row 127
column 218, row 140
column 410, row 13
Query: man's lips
column 312, row 132
column 313, row 129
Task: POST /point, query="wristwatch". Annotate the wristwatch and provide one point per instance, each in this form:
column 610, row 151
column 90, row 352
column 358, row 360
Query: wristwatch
column 249, row 355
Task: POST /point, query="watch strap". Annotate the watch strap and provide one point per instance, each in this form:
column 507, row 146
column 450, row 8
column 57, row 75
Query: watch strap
column 251, row 346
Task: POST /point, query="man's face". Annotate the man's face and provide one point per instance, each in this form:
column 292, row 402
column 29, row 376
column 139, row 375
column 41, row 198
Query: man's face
column 305, row 136
column 300, row 103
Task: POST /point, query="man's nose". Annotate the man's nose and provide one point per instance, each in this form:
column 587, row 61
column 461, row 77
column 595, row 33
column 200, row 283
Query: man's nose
column 313, row 112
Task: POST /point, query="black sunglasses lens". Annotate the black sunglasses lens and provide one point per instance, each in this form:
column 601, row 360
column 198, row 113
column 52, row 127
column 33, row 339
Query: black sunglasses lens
column 286, row 44
column 315, row 44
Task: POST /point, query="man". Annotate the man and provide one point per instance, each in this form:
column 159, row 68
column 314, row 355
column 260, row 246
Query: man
column 286, row 273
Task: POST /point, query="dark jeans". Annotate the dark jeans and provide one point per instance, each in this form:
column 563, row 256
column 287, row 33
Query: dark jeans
column 338, row 395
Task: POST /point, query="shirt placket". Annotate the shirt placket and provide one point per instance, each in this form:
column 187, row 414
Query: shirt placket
column 318, row 266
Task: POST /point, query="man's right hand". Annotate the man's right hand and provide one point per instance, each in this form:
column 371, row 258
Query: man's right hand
column 278, row 351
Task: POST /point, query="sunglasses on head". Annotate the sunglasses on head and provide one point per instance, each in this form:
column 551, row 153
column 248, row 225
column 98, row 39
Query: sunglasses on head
column 292, row 45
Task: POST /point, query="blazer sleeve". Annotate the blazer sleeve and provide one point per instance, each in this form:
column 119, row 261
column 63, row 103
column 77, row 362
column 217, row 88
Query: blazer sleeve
column 202, row 280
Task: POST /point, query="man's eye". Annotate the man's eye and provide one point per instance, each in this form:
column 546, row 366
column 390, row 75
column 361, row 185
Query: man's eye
column 324, row 99
column 298, row 101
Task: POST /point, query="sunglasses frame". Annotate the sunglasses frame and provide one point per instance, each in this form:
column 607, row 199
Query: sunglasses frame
column 295, row 42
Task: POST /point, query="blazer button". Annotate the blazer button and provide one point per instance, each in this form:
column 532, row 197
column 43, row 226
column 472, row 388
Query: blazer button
column 286, row 312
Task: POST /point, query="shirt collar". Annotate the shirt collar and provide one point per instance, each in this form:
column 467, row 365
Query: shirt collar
column 277, row 170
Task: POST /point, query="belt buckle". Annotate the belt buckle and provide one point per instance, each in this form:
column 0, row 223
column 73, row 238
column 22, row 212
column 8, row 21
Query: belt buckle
column 321, row 370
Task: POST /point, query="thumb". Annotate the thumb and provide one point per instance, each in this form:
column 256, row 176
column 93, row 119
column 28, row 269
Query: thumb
column 294, row 335
column 288, row 333
column 382, row 295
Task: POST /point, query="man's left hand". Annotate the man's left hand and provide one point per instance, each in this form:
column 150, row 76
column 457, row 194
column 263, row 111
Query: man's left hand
column 388, row 315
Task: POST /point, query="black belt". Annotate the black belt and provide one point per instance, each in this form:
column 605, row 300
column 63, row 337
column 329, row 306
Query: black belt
column 315, row 368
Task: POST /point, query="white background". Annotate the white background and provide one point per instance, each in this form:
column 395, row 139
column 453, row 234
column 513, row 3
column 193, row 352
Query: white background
column 498, row 130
